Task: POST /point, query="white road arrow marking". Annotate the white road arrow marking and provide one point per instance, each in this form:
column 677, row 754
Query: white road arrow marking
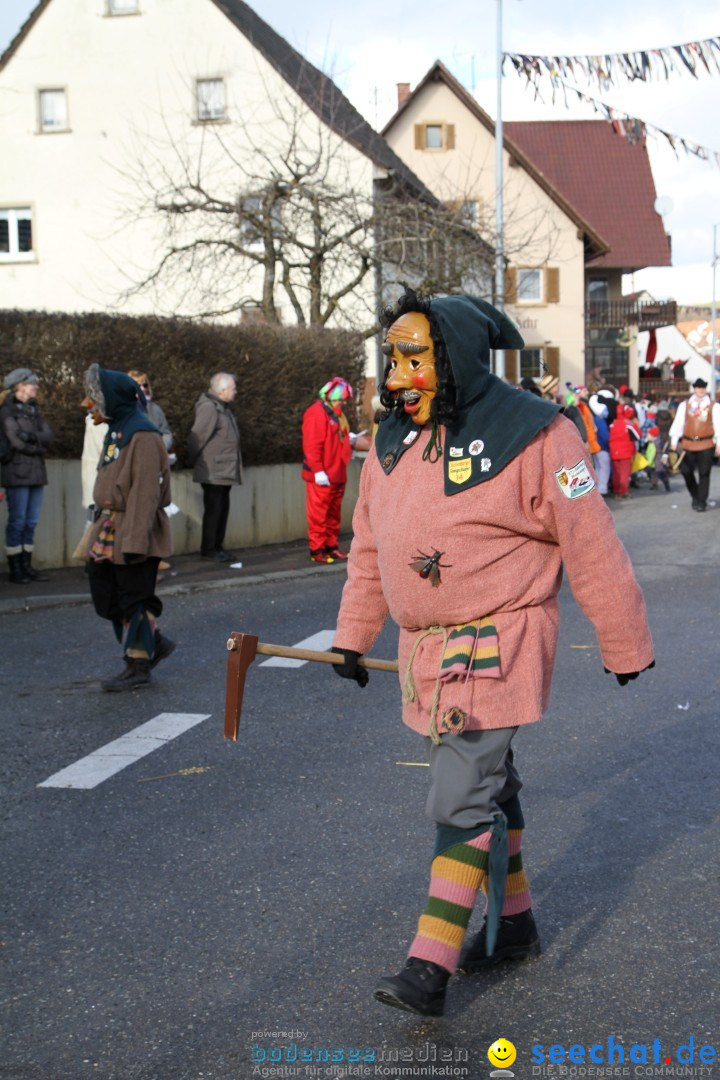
column 90, row 771
column 320, row 641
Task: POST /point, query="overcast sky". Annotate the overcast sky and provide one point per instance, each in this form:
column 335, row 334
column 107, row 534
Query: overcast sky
column 369, row 45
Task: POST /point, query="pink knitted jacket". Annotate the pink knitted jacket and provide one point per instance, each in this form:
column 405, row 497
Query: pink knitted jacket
column 506, row 541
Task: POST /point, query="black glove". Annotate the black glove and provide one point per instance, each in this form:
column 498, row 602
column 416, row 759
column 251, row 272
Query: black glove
column 625, row 677
column 27, row 437
column 350, row 669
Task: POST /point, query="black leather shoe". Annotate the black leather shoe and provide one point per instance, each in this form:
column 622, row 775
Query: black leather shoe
column 517, row 939
column 418, row 988
column 136, row 674
column 163, row 647
column 225, row 556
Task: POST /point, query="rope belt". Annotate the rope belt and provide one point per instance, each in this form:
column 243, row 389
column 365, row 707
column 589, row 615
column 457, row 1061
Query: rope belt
column 469, row 651
column 409, row 688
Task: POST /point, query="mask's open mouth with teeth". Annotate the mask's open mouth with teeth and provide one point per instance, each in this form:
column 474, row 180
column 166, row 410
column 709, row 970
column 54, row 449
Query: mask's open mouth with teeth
column 411, row 399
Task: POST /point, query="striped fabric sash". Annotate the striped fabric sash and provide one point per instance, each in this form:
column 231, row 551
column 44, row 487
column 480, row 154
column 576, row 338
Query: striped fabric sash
column 104, row 546
column 471, row 652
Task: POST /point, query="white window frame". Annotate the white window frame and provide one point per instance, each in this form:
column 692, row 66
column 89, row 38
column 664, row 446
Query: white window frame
column 441, row 129
column 526, row 271
column 50, row 128
column 123, row 7
column 215, row 117
column 14, row 214
column 532, row 374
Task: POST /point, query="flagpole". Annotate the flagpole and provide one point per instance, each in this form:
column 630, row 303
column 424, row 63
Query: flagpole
column 713, row 317
column 499, row 224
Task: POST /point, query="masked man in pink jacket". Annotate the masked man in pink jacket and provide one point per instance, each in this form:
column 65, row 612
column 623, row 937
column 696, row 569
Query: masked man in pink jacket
column 472, row 500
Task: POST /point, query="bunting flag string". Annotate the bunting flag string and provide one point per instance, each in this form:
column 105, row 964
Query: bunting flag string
column 629, row 127
column 694, row 57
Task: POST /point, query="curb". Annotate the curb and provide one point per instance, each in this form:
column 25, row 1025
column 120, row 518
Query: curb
column 13, row 605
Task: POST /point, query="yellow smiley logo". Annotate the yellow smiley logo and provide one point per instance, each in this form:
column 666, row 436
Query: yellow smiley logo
column 502, row 1053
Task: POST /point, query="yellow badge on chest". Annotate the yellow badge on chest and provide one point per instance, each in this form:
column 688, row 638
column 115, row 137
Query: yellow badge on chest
column 459, row 471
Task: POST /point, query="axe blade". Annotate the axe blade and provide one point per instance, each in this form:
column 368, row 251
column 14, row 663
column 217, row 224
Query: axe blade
column 242, row 650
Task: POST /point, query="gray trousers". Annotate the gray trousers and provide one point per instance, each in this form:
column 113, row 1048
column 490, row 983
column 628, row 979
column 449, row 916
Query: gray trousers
column 471, row 774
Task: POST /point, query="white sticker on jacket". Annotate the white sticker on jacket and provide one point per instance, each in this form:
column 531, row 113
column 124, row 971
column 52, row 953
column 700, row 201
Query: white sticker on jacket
column 576, row 481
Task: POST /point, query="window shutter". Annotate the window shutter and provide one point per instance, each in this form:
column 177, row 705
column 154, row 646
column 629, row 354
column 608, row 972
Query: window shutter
column 511, row 285
column 552, row 359
column 449, row 136
column 511, row 366
column 552, row 285
column 419, row 136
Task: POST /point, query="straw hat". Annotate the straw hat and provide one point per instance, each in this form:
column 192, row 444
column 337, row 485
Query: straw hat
column 549, row 384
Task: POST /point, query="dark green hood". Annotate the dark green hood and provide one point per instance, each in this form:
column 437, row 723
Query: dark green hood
column 494, row 421
column 123, row 403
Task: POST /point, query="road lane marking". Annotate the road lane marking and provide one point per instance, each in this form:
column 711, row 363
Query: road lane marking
column 90, row 771
column 320, row 641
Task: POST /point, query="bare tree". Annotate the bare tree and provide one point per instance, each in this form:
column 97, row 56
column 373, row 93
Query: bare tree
column 289, row 209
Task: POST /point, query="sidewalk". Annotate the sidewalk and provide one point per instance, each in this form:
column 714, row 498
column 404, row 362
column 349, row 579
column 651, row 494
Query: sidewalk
column 187, row 574
column 665, row 522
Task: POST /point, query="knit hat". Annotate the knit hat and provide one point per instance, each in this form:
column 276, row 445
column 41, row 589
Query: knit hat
column 25, row 375
column 336, row 390
column 654, row 431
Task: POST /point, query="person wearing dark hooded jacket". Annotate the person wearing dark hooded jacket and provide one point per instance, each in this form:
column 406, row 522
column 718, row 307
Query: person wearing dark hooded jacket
column 471, row 501
column 24, row 475
column 131, row 533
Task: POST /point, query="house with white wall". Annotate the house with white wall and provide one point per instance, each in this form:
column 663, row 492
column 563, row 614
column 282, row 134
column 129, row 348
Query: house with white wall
column 129, row 131
column 579, row 213
column 448, row 140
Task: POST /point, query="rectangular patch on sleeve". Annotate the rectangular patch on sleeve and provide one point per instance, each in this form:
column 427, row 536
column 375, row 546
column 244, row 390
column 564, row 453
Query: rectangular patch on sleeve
column 576, row 481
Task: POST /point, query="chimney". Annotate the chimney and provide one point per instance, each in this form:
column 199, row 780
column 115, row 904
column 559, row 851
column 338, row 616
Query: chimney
column 403, row 89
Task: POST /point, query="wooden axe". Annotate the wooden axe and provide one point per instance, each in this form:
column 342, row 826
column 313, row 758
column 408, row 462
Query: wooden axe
column 242, row 650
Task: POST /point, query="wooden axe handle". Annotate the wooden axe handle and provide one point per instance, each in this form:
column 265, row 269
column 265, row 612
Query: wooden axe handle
column 242, row 650
column 323, row 657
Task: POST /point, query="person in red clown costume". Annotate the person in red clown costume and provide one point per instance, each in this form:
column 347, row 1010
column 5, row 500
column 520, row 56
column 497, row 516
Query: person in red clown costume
column 327, row 450
column 472, row 500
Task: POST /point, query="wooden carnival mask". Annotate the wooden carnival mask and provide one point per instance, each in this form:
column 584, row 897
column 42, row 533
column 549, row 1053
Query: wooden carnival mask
column 412, row 378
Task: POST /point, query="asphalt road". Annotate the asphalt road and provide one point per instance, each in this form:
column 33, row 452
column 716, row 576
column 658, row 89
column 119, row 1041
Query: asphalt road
column 163, row 923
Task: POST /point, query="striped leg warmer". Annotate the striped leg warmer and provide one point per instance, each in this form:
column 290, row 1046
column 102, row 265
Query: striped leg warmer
column 517, row 886
column 456, row 876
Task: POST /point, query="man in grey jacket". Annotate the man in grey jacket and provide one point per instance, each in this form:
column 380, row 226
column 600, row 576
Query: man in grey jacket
column 214, row 446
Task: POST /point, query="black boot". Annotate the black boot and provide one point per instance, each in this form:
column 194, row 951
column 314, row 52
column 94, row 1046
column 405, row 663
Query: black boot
column 135, row 675
column 517, row 938
column 17, row 574
column 418, row 988
column 28, row 569
column 163, row 647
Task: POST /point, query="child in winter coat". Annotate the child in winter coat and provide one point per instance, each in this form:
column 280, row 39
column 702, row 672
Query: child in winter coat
column 624, row 442
column 657, row 469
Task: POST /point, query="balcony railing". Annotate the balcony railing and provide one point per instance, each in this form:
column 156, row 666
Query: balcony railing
column 645, row 314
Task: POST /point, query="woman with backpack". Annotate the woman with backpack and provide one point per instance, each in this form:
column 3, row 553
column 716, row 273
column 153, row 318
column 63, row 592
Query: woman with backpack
column 25, row 441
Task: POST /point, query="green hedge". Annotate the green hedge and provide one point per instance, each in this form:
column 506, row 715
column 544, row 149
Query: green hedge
column 279, row 371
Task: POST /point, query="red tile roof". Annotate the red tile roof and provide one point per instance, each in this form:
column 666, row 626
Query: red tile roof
column 607, row 178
